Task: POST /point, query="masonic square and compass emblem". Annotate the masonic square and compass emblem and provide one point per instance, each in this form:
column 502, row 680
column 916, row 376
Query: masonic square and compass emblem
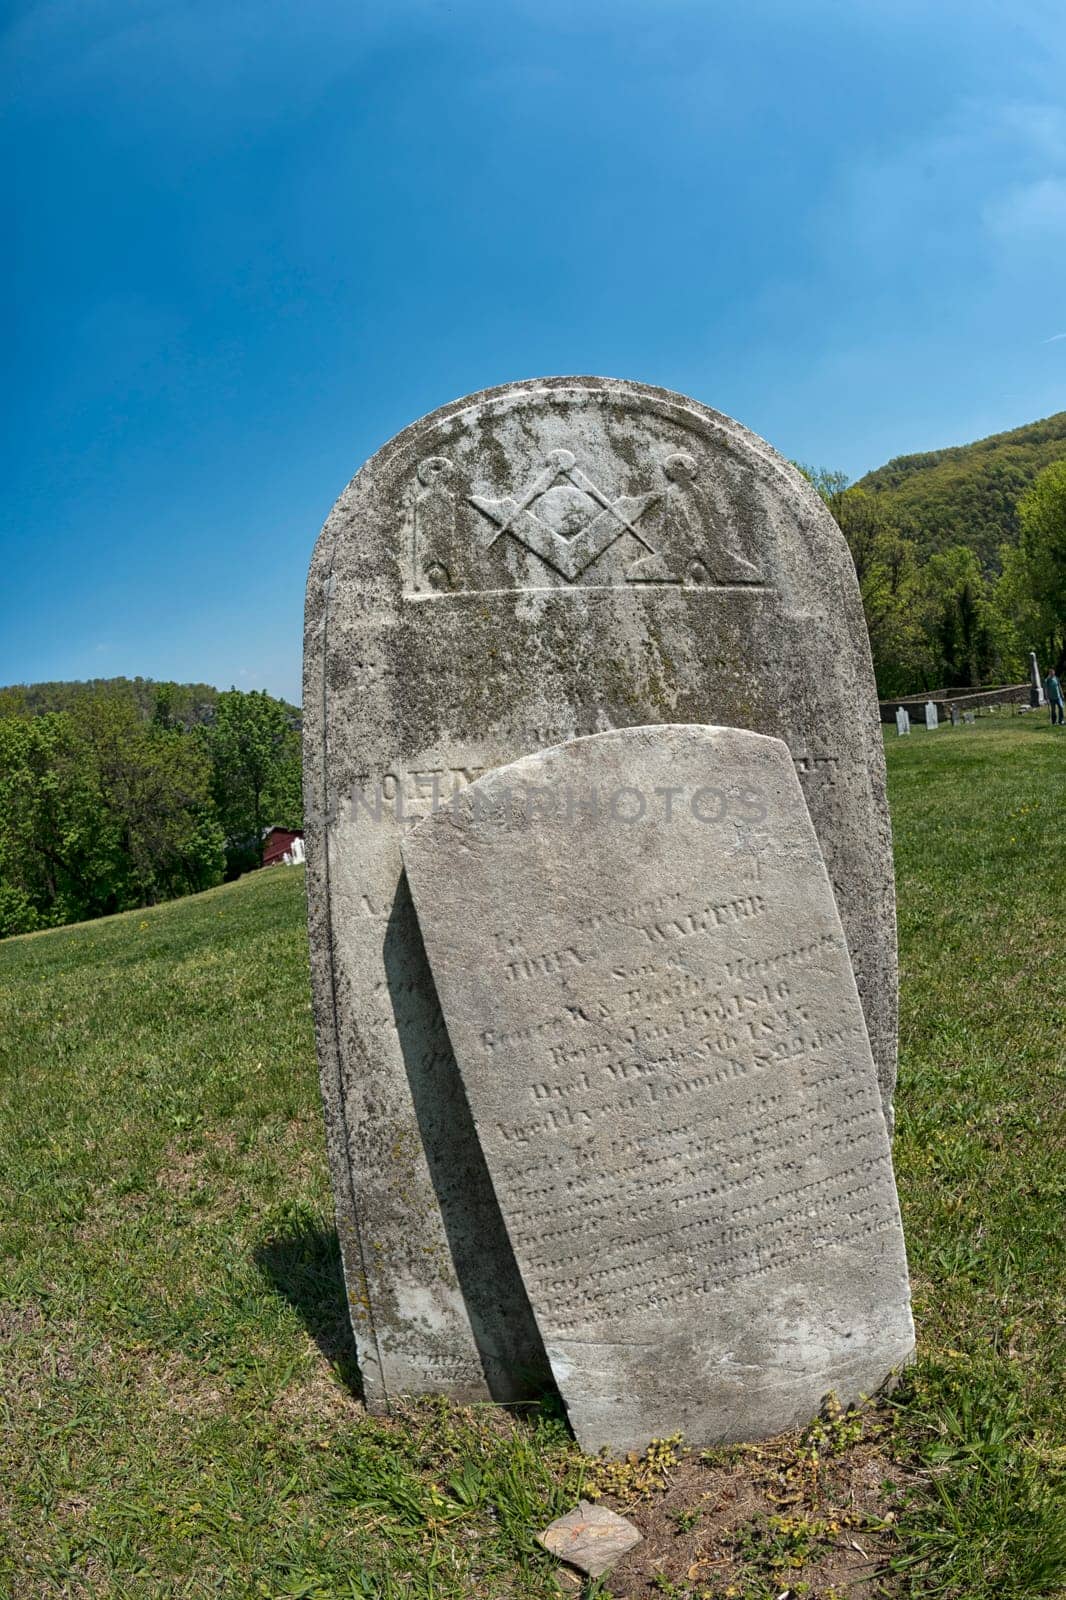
column 677, row 534
column 564, row 518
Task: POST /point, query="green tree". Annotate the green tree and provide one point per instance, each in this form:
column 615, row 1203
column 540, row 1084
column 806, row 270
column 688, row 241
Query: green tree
column 1017, row 612
column 13, row 701
column 955, row 610
column 255, row 750
column 886, row 567
column 830, row 483
column 60, row 853
column 887, row 571
column 101, row 811
column 1042, row 514
column 163, row 713
column 156, row 784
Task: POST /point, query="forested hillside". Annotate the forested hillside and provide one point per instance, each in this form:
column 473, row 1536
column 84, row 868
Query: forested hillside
column 121, row 792
column 961, row 558
column 186, row 703
column 968, row 494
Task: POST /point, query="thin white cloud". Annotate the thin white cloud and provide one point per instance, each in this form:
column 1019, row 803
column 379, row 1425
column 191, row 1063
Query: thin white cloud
column 1038, row 207
column 1041, row 129
column 1054, row 338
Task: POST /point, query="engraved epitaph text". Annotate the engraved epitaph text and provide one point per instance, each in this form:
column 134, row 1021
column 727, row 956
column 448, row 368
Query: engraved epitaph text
column 654, row 1015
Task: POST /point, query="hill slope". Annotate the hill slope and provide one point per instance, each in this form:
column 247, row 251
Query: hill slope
column 968, row 494
column 187, row 703
column 178, row 1377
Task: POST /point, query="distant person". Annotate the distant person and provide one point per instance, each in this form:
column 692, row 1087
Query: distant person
column 1053, row 695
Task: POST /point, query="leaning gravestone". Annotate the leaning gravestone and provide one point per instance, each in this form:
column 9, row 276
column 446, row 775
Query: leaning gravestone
column 932, row 718
column 903, row 721
column 647, row 987
column 550, row 559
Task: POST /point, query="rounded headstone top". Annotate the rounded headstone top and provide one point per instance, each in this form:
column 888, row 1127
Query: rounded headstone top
column 569, row 483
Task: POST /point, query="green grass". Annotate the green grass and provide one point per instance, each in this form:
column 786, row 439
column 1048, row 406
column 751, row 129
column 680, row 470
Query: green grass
column 175, row 1370
column 981, row 1138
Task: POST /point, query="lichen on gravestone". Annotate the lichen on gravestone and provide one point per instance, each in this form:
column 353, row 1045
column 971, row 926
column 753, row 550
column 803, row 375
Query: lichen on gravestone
column 543, row 561
column 650, row 998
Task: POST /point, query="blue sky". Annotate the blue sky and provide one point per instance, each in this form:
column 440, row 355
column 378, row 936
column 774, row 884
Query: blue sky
column 253, row 240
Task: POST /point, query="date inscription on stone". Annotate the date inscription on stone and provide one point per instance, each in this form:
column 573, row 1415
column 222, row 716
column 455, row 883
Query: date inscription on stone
column 656, row 1023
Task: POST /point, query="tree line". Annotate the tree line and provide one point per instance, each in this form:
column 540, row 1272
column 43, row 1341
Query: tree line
column 109, row 803
column 118, row 793
column 950, row 619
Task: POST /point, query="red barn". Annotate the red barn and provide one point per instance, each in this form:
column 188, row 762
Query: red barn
column 282, row 845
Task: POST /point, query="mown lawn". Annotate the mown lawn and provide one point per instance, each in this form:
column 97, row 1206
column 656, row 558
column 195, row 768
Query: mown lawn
column 180, row 1405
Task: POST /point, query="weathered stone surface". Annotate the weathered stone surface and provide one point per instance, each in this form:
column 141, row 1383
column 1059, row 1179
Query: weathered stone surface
column 932, row 716
column 649, row 995
column 903, row 721
column 591, row 1538
column 533, row 563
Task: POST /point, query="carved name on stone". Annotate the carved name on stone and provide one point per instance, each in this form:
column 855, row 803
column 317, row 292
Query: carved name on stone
column 649, row 995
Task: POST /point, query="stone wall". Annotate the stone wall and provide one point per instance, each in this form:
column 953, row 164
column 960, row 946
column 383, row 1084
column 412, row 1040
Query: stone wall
column 965, row 699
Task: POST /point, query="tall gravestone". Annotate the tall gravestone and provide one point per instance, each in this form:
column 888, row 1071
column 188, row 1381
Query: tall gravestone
column 1036, row 685
column 646, row 983
column 903, row 721
column 932, row 717
column 530, row 564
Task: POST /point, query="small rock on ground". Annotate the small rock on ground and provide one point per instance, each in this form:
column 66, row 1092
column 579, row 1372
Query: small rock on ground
column 591, row 1538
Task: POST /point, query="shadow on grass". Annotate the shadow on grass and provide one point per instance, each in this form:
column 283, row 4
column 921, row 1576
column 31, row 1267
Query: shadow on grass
column 303, row 1264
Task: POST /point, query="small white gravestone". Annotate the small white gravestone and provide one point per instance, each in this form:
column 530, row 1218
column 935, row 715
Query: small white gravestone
column 903, row 721
column 932, row 720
